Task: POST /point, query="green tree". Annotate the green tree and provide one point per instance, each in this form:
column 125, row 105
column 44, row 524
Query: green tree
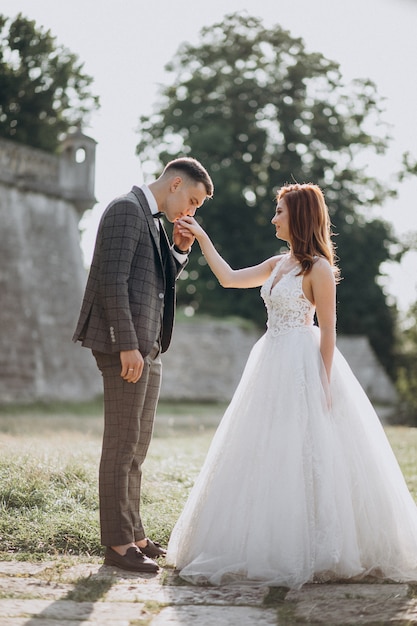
column 259, row 111
column 407, row 366
column 43, row 90
column 409, row 166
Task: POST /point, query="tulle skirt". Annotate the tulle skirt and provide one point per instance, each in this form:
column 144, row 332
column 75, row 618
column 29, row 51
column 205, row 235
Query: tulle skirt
column 294, row 488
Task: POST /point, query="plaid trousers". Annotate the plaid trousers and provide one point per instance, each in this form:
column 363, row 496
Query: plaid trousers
column 129, row 413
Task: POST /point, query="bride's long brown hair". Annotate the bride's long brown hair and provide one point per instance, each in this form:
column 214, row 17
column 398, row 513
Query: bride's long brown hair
column 309, row 225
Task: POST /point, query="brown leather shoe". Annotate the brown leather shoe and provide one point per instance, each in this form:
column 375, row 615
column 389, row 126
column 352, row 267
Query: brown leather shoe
column 133, row 560
column 153, row 549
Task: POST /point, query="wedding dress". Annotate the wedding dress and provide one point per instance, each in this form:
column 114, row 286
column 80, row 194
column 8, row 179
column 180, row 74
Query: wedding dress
column 292, row 491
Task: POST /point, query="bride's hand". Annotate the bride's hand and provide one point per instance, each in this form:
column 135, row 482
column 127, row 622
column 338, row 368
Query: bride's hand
column 187, row 225
column 182, row 238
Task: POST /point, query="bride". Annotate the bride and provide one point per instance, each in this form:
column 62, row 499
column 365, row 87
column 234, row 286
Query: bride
column 300, row 483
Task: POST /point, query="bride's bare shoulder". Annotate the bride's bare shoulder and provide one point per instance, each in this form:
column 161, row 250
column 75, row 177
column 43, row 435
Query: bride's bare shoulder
column 322, row 269
column 321, row 263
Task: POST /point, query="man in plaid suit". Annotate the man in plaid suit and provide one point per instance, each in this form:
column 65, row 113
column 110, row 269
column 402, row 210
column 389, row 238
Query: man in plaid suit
column 126, row 319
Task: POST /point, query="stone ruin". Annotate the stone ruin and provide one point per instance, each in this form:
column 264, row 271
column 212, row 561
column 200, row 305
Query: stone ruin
column 42, row 278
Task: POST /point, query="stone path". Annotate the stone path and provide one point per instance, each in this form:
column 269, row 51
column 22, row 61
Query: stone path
column 77, row 592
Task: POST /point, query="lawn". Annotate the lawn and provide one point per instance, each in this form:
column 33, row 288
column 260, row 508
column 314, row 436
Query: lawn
column 48, row 474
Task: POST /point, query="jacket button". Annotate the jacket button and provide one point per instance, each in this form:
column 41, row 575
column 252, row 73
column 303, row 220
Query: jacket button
column 161, row 295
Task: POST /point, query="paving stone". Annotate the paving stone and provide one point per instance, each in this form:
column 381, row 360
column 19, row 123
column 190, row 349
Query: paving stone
column 353, row 604
column 20, row 568
column 152, row 590
column 374, row 590
column 114, row 613
column 35, row 594
column 32, row 588
column 215, row 616
column 23, row 621
column 83, row 570
column 103, row 571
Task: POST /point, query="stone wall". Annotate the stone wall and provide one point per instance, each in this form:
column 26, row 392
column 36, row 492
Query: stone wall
column 205, row 360
column 69, row 175
column 42, row 278
column 377, row 384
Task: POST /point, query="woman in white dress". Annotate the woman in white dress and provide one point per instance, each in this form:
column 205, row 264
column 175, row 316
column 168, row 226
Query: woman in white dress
column 300, row 483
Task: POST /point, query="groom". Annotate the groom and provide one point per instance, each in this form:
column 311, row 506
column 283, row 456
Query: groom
column 126, row 319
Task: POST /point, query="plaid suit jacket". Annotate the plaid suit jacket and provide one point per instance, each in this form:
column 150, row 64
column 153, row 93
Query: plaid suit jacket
column 128, row 286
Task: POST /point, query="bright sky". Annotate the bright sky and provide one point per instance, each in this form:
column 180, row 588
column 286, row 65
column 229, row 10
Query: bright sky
column 125, row 45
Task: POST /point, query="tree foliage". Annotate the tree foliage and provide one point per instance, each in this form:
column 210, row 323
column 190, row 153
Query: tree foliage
column 43, row 89
column 407, row 367
column 260, row 111
column 409, row 166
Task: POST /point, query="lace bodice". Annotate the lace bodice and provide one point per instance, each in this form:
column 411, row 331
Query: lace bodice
column 287, row 306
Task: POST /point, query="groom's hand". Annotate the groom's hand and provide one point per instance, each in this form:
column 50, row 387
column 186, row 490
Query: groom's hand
column 132, row 365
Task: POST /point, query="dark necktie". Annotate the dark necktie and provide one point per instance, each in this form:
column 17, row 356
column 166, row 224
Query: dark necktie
column 158, row 214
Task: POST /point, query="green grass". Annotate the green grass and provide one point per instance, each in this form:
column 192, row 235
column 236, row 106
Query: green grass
column 49, row 471
column 403, row 440
column 49, row 465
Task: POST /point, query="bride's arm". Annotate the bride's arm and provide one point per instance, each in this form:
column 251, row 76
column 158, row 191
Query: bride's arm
column 324, row 294
column 244, row 278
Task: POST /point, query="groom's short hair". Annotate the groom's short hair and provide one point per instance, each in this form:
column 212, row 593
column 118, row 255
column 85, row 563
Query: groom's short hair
column 192, row 169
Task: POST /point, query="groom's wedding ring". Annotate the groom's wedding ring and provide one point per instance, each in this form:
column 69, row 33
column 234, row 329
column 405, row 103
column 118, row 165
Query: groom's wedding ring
column 131, row 369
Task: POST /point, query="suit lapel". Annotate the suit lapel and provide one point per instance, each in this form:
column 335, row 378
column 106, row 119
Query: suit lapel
column 149, row 217
column 156, row 234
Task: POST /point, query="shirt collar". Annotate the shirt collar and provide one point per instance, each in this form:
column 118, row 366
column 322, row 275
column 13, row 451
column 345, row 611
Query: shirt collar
column 150, row 198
